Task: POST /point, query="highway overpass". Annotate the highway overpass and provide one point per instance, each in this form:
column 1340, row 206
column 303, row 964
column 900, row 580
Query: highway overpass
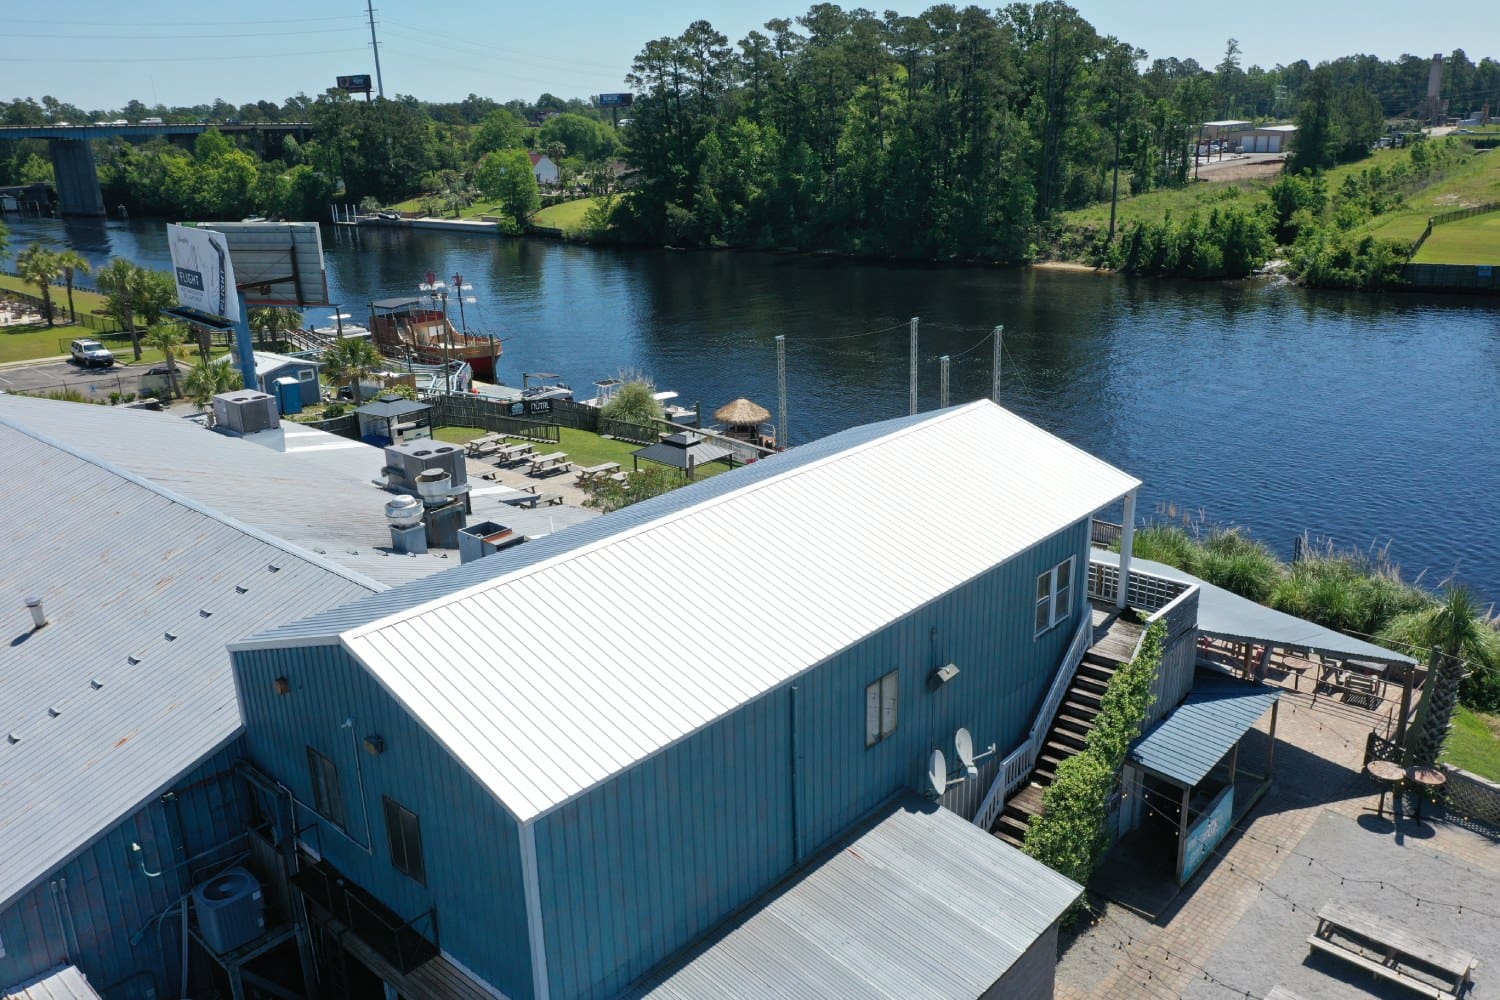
column 73, row 163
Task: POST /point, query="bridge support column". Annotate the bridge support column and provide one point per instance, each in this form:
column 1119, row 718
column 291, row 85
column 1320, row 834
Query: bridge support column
column 77, row 178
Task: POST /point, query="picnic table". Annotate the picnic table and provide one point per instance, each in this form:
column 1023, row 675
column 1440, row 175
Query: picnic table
column 513, row 452
column 531, row 499
column 482, row 446
column 556, row 461
column 592, row 472
column 1391, row 951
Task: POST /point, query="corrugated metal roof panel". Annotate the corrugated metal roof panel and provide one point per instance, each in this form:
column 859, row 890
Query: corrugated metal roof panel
column 568, row 642
column 128, row 685
column 920, row 905
column 1197, row 734
column 1224, row 613
column 63, row 983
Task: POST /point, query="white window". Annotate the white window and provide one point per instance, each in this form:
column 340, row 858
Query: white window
column 1054, row 595
column 306, row 374
column 880, row 709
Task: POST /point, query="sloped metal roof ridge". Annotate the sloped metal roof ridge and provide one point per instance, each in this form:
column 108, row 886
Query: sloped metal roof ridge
column 177, row 498
column 892, row 429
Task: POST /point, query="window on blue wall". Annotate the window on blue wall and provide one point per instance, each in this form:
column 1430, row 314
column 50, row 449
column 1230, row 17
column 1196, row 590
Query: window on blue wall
column 327, row 799
column 880, row 709
column 1054, row 595
column 405, row 835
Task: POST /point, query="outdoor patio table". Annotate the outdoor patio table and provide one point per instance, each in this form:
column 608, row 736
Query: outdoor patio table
column 1297, row 666
column 1390, row 775
column 1428, row 781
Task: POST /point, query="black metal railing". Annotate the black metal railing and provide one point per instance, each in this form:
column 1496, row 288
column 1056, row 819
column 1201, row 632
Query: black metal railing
column 406, row 944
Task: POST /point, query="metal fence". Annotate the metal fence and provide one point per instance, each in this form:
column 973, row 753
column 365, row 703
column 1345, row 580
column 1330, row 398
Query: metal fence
column 1444, row 218
column 120, row 388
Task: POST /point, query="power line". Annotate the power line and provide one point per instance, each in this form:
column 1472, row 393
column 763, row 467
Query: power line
column 210, row 58
column 157, row 24
column 220, row 36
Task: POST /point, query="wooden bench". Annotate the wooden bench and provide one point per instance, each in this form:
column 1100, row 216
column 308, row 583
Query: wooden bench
column 556, row 461
column 589, row 473
column 1391, row 951
column 509, row 453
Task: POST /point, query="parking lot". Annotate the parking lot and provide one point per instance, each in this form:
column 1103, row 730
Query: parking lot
column 92, row 383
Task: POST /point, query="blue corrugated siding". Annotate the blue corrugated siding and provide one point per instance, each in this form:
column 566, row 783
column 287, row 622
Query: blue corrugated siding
column 87, row 911
column 470, row 845
column 698, row 831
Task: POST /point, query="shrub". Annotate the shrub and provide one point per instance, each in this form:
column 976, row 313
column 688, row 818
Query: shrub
column 1238, row 564
column 1166, row 543
column 333, row 410
column 634, row 403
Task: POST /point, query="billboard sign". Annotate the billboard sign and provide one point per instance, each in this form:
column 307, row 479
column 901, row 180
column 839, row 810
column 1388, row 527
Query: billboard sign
column 359, row 83
column 203, row 272
column 616, row 100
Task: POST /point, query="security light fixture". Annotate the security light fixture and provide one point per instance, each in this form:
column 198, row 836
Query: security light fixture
column 283, row 686
column 942, row 675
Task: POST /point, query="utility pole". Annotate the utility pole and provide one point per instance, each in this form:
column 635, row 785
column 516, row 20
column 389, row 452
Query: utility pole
column 374, row 43
column 914, row 321
column 995, row 365
column 781, row 435
column 943, row 382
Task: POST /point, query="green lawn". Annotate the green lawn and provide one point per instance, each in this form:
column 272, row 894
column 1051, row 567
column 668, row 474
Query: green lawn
column 24, row 343
column 584, row 448
column 1473, row 182
column 567, row 216
column 82, row 301
column 1475, row 743
column 474, row 211
column 1468, row 241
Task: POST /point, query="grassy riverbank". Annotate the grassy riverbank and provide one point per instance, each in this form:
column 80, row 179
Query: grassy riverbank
column 568, row 216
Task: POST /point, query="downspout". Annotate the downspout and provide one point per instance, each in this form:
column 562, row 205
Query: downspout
column 796, row 748
column 1127, row 542
column 536, row 935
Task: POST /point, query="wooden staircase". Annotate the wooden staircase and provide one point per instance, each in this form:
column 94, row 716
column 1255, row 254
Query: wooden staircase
column 1072, row 724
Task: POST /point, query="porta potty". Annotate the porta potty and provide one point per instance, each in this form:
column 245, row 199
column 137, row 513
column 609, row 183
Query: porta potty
column 288, row 395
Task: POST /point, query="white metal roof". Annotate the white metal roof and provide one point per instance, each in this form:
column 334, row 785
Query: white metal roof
column 563, row 664
column 63, row 983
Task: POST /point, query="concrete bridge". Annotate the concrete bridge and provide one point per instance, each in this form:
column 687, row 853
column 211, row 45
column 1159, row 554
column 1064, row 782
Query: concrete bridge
column 73, row 155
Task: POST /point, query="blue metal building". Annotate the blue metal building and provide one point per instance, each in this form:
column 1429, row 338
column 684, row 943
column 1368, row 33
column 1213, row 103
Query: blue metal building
column 556, row 779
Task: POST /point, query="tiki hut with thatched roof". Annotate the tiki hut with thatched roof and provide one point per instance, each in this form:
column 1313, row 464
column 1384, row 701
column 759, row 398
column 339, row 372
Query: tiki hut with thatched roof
column 747, row 420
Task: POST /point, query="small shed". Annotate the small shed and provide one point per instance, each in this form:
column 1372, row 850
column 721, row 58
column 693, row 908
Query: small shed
column 683, row 450
column 269, row 367
column 1268, row 139
column 392, row 419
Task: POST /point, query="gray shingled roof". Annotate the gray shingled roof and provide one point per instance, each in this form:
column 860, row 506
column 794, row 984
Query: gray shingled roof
column 129, row 683
column 1197, row 734
column 922, row 906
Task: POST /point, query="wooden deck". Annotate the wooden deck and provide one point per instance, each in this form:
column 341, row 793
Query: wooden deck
column 1115, row 638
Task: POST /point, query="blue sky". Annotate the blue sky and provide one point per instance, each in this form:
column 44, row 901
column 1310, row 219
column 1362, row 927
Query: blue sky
column 100, row 53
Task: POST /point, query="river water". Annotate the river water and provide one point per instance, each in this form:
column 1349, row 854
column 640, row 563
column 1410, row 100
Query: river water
column 1362, row 419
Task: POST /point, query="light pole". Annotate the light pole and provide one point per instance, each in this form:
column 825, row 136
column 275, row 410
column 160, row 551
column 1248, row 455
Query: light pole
column 447, row 343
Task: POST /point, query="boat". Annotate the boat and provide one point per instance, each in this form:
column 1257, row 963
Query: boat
column 605, row 389
column 410, row 329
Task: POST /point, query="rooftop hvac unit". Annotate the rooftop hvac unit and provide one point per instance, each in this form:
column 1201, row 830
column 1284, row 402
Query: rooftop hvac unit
column 231, row 911
column 245, row 411
column 485, row 538
column 410, row 458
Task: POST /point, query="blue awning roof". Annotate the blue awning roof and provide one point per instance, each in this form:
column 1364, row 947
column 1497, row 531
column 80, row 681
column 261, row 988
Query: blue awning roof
column 1197, row 734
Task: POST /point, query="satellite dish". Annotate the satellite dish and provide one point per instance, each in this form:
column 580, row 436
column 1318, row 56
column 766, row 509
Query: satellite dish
column 965, row 746
column 937, row 772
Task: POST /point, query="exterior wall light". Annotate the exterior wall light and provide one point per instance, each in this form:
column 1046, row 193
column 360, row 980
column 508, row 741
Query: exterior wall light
column 942, row 675
column 374, row 745
column 282, row 685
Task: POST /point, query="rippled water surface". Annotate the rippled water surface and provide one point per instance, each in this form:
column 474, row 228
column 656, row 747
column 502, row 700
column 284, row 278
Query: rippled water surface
column 1368, row 420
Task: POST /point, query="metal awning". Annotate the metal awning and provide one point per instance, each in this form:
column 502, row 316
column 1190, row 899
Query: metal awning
column 1185, row 746
column 1229, row 616
column 920, row 904
column 676, row 449
column 63, row 983
column 400, row 303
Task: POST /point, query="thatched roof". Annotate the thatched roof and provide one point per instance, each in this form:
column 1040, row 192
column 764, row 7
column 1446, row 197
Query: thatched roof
column 742, row 411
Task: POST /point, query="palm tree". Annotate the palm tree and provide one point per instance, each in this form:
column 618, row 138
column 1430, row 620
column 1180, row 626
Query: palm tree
column 350, row 360
column 209, row 378
column 272, row 321
column 39, row 266
column 167, row 337
column 121, row 281
column 72, row 263
column 1456, row 630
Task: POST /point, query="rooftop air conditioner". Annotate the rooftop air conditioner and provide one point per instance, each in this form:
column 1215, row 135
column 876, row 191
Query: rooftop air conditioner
column 231, row 910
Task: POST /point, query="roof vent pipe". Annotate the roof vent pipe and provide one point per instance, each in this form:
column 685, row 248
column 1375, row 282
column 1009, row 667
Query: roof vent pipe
column 38, row 617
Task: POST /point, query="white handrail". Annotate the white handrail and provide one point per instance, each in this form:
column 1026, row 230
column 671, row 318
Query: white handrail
column 1018, row 764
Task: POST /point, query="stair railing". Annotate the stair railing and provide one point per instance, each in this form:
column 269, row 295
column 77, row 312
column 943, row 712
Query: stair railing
column 1017, row 766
